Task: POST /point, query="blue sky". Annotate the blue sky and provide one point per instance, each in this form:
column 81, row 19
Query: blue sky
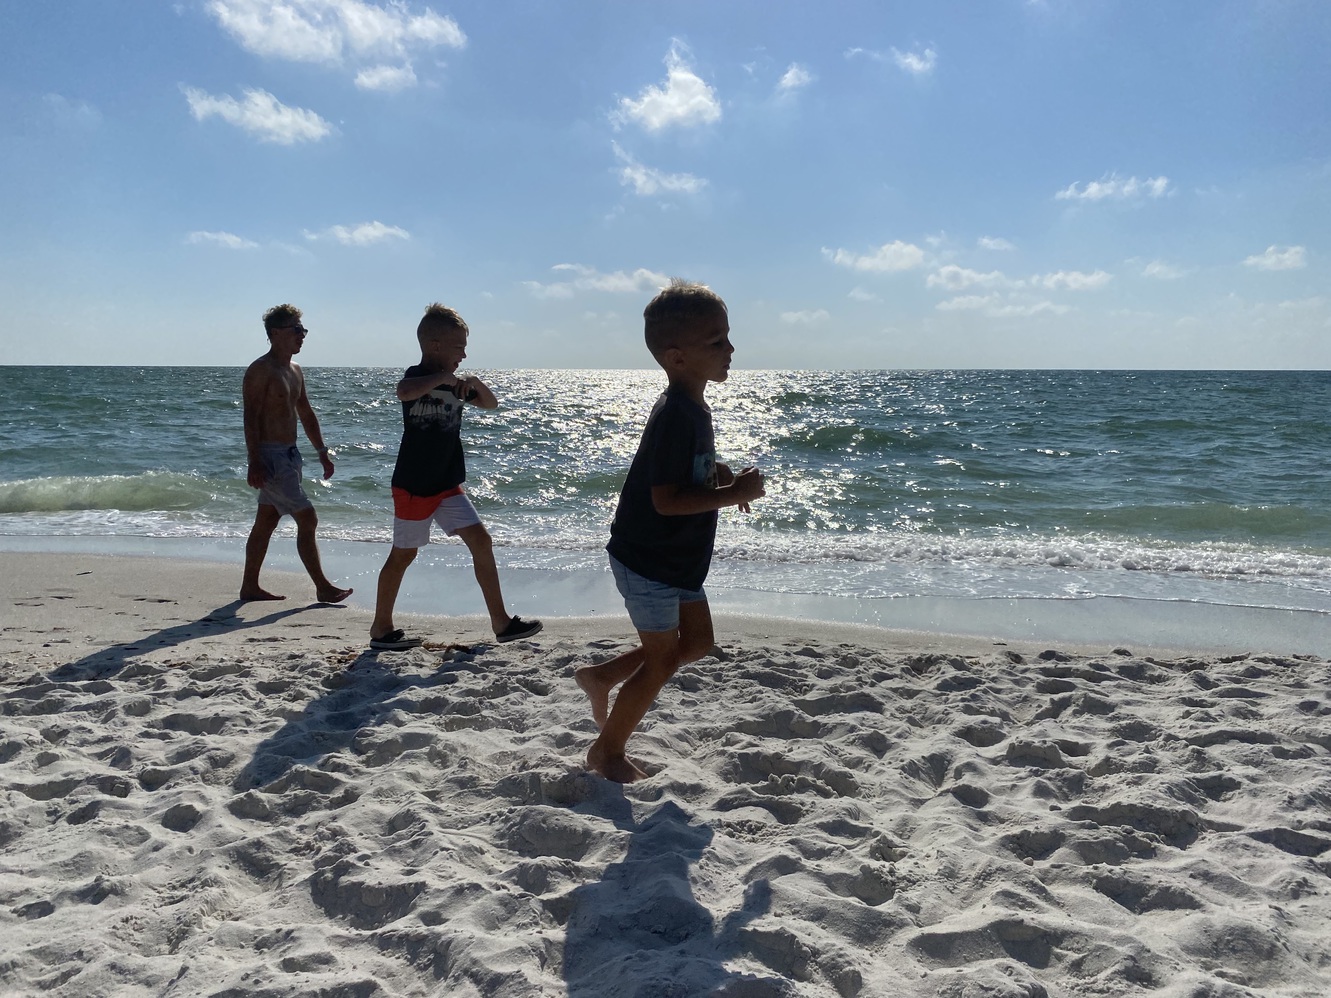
column 916, row 184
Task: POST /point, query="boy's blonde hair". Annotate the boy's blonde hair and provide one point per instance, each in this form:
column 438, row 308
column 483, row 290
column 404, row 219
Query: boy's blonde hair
column 438, row 318
column 280, row 315
column 677, row 307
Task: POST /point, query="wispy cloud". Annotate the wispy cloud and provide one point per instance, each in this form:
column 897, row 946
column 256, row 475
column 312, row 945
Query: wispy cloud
column 386, row 78
column 1115, row 188
column 888, row 258
column 364, row 234
column 994, row 243
column 590, row 279
column 998, row 306
column 860, row 294
column 71, row 113
column 954, row 278
column 261, row 114
column 813, row 317
column 1276, row 258
column 917, row 63
column 339, row 33
column 1072, row 280
column 793, row 79
column 1161, row 271
column 684, row 99
column 228, row 240
column 647, row 181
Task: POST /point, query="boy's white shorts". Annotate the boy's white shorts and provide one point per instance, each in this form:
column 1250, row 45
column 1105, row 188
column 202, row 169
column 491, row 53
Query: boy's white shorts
column 413, row 515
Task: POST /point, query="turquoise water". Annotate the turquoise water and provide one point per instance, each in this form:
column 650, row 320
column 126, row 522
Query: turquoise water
column 1197, row 486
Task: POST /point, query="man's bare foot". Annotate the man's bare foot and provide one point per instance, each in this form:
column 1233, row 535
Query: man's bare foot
column 334, row 595
column 613, row 767
column 597, row 693
column 248, row 595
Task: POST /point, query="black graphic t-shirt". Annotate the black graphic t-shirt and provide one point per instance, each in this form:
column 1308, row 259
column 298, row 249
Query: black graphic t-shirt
column 677, row 448
column 429, row 459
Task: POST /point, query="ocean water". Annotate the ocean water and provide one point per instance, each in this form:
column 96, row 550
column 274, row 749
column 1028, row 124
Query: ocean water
column 1203, row 487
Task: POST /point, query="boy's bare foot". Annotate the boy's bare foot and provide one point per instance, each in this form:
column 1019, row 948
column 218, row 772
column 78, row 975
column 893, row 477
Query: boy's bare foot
column 248, row 595
column 334, row 595
column 613, row 767
column 597, row 693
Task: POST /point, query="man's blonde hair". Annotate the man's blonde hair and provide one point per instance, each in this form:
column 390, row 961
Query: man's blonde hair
column 439, row 318
column 679, row 305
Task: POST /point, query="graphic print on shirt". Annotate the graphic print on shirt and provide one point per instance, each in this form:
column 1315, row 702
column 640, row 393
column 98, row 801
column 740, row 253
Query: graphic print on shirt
column 704, row 469
column 439, row 411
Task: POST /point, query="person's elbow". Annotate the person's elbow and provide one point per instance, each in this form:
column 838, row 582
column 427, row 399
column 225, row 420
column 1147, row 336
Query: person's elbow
column 667, row 501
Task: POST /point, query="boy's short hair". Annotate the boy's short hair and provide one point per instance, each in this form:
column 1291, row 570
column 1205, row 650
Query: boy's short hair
column 438, row 318
column 280, row 315
column 677, row 307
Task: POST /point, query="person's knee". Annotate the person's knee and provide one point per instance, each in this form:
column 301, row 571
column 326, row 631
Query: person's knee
column 695, row 646
column 400, row 558
column 307, row 520
column 477, row 538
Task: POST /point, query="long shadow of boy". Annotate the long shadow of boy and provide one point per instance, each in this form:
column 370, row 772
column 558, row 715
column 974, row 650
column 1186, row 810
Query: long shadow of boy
column 106, row 662
column 640, row 930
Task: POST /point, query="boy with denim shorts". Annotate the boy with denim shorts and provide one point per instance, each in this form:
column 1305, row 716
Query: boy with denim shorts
column 665, row 525
column 428, row 477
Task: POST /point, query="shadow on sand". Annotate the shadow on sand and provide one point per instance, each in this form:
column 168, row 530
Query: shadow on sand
column 640, row 931
column 107, row 662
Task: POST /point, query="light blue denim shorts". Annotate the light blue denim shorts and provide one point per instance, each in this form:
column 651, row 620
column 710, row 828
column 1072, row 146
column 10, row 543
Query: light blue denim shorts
column 652, row 606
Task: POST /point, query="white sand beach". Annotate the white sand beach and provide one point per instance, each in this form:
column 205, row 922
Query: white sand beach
column 208, row 798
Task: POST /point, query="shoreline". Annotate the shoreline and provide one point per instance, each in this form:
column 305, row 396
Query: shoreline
column 441, row 585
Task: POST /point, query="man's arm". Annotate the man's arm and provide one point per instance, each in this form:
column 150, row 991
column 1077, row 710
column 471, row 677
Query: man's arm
column 311, row 423
column 253, row 390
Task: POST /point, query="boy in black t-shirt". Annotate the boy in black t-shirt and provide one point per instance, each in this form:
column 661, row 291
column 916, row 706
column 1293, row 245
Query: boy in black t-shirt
column 428, row 476
column 665, row 526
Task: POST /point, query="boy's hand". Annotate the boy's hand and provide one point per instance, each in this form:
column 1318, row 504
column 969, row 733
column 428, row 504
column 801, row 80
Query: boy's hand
column 464, row 389
column 326, row 460
column 254, row 476
column 748, row 485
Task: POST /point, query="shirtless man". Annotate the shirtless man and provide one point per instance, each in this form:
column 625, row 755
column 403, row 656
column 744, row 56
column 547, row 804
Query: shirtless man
column 274, row 393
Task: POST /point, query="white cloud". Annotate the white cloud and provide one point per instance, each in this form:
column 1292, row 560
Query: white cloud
column 261, row 114
column 647, row 181
column 641, row 280
column 685, row 99
column 794, row 78
column 226, row 239
column 1161, row 271
column 1275, row 258
column 889, row 257
column 1072, row 280
column 916, row 63
column 954, row 278
column 1114, row 187
column 998, row 307
column 806, row 318
column 386, row 78
column 332, row 32
column 364, row 234
column 994, row 243
column 860, row 294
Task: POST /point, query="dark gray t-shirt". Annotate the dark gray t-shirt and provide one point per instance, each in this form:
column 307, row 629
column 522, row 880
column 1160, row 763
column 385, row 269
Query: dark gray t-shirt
column 677, row 448
column 429, row 459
